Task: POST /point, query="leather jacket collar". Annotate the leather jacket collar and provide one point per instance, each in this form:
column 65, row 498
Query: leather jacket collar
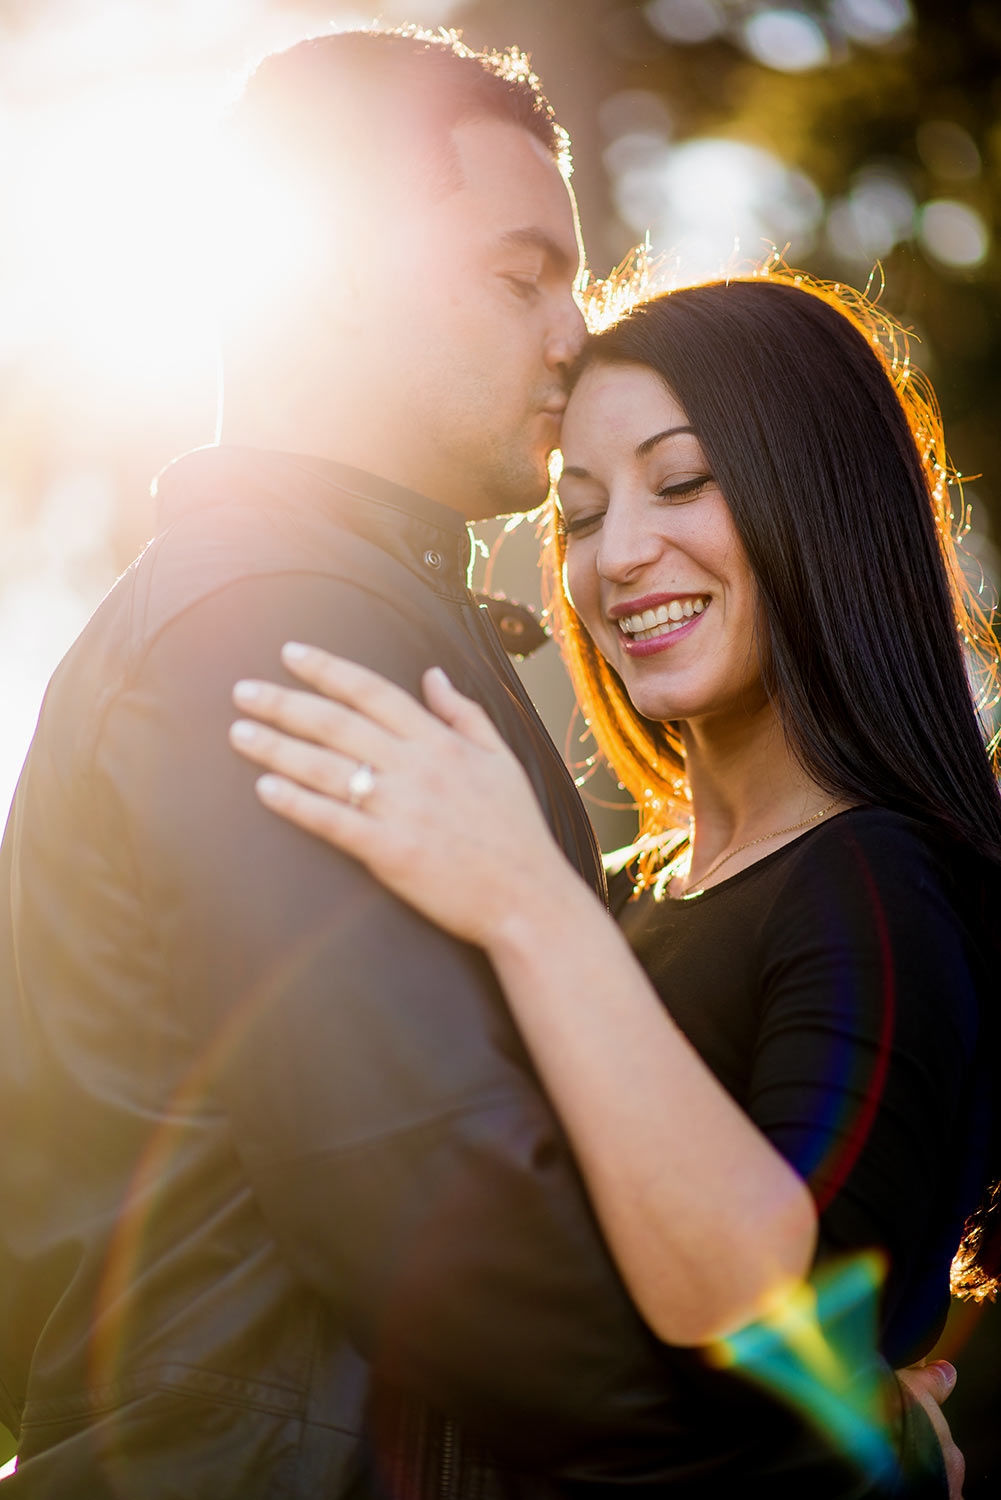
column 428, row 538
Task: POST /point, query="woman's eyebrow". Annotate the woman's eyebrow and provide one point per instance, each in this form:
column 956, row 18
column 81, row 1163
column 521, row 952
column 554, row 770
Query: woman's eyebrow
column 647, row 446
column 650, row 443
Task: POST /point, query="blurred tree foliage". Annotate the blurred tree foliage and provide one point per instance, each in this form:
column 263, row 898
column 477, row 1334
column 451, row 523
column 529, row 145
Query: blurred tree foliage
column 871, row 107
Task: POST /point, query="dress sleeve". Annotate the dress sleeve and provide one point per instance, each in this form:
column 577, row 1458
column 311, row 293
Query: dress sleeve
column 868, row 1022
column 380, row 1102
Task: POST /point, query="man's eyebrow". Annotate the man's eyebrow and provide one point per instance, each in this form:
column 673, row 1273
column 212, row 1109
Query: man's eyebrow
column 650, row 443
column 538, row 239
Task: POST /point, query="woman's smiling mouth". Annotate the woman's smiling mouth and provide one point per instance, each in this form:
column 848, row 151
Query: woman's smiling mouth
column 656, row 625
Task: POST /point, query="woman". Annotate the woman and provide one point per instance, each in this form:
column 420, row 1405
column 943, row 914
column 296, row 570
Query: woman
column 762, row 611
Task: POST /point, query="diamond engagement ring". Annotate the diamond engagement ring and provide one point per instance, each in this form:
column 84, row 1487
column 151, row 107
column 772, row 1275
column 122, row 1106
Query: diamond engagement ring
column 361, row 783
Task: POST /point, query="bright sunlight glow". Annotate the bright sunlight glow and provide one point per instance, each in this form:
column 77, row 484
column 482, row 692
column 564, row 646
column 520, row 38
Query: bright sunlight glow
column 110, row 183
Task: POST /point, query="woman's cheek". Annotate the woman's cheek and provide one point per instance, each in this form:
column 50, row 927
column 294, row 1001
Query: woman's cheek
column 580, row 583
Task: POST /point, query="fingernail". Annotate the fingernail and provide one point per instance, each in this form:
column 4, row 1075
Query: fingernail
column 294, row 651
column 440, row 675
column 246, row 690
column 270, row 788
column 243, row 731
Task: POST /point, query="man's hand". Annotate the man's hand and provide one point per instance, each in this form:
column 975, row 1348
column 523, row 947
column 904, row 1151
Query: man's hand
column 930, row 1385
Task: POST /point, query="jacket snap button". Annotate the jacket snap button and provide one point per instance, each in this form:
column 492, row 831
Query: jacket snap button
column 432, row 558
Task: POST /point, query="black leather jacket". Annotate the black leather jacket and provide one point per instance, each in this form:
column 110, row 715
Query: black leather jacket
column 279, row 1186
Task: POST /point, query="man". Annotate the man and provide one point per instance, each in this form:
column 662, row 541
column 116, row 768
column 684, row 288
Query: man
column 284, row 1209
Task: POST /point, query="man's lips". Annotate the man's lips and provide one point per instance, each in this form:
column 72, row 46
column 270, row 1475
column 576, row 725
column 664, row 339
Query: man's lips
column 552, row 418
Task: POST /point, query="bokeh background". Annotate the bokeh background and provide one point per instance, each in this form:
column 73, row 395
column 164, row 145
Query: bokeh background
column 860, row 137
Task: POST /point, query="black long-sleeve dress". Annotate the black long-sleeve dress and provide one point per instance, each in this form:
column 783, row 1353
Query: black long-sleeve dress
column 835, row 990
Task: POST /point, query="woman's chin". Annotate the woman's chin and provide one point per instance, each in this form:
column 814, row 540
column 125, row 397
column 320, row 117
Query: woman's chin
column 659, row 701
column 659, row 708
column 741, row 701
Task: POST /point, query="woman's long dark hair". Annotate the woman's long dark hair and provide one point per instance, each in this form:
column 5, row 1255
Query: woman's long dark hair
column 828, row 449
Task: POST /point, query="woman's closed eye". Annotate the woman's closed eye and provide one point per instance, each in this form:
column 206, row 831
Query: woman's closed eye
column 580, row 524
column 678, row 492
column 681, row 490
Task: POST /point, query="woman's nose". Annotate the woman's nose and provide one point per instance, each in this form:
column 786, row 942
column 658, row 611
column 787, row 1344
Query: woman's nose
column 626, row 544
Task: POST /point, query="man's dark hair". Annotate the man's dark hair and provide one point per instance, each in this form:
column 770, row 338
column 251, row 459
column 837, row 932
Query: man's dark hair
column 388, row 101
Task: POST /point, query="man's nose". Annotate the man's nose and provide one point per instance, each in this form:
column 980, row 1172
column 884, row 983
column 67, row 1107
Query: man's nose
column 566, row 340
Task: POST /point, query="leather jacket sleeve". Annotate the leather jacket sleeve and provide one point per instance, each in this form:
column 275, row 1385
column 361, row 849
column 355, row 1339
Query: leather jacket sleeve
column 388, row 1121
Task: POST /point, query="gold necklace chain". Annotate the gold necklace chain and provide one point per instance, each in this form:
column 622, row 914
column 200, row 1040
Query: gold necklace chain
column 761, row 839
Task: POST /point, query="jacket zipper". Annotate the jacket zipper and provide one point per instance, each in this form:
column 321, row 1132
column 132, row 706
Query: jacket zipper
column 447, row 1469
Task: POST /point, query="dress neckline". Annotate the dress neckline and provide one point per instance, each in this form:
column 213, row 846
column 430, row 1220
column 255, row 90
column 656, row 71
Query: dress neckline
column 697, row 897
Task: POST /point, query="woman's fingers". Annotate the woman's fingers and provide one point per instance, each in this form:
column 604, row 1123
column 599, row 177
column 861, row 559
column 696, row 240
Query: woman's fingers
column 347, row 695
column 338, row 822
column 407, row 792
column 307, row 716
column 325, row 771
column 388, row 704
column 359, row 688
column 459, row 712
column 929, row 1386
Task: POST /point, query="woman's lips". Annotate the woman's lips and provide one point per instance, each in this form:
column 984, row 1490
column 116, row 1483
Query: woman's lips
column 672, row 632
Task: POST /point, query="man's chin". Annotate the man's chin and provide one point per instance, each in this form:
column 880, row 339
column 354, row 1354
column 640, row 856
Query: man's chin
column 514, row 494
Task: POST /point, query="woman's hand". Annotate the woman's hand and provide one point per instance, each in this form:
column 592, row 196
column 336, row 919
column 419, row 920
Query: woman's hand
column 930, row 1386
column 450, row 822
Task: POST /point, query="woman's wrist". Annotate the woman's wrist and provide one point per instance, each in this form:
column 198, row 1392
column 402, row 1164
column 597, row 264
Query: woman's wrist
column 549, row 909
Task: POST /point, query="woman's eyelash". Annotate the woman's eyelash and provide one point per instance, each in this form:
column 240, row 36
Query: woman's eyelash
column 686, row 488
column 579, row 523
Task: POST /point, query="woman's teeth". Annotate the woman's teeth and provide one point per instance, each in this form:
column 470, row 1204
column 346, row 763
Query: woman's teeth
column 652, row 622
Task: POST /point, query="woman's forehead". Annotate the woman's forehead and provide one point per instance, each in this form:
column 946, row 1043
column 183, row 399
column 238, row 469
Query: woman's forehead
column 630, row 402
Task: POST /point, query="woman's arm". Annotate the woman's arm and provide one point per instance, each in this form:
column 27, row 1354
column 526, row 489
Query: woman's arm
column 706, row 1220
